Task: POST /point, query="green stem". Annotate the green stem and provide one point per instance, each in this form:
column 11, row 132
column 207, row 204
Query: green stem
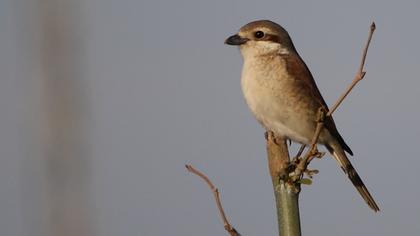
column 287, row 202
column 286, row 193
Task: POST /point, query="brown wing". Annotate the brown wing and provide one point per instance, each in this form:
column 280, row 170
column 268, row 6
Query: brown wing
column 298, row 69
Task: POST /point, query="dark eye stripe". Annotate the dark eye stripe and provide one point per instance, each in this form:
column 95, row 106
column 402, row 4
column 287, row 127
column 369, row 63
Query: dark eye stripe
column 272, row 38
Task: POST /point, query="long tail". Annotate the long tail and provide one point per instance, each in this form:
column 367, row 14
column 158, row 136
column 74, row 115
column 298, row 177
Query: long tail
column 348, row 168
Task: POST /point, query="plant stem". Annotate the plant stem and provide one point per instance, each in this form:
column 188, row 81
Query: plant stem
column 287, row 203
column 286, row 192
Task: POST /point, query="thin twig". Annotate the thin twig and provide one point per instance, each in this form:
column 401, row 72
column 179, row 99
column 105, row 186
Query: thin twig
column 360, row 73
column 228, row 227
column 312, row 152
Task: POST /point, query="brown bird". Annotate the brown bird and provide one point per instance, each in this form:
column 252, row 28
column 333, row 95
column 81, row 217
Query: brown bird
column 281, row 93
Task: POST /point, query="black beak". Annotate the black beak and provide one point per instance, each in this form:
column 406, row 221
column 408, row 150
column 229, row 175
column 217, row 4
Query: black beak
column 235, row 40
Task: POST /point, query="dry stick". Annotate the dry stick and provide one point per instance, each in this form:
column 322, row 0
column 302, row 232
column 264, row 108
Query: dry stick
column 232, row 231
column 359, row 76
column 360, row 73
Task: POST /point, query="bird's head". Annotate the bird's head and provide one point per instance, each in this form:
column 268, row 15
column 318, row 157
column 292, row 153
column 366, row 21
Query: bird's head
column 260, row 38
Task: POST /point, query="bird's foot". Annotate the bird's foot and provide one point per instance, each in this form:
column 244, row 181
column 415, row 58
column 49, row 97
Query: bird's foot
column 266, row 134
column 316, row 154
column 269, row 135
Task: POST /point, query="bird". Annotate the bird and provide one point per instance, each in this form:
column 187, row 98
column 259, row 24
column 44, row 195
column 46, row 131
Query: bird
column 282, row 94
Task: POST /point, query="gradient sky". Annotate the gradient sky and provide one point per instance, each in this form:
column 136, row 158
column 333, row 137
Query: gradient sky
column 165, row 91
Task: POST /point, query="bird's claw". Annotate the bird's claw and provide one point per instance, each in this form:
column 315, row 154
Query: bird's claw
column 320, row 155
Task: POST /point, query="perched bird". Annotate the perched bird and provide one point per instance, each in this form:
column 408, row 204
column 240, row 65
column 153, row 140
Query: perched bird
column 281, row 93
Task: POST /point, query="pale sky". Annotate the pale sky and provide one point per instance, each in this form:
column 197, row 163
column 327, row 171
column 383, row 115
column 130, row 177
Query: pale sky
column 163, row 91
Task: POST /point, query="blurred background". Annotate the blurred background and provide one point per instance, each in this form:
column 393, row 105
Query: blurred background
column 103, row 102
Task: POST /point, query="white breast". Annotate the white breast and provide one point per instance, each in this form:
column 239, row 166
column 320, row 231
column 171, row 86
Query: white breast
column 262, row 89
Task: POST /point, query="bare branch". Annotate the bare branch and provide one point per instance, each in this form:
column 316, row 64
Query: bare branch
column 313, row 152
column 228, row 227
column 360, row 73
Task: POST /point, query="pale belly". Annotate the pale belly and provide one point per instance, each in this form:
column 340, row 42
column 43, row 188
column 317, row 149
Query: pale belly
column 269, row 103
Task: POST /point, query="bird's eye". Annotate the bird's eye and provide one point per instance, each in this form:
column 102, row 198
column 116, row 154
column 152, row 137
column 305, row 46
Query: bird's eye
column 259, row 34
